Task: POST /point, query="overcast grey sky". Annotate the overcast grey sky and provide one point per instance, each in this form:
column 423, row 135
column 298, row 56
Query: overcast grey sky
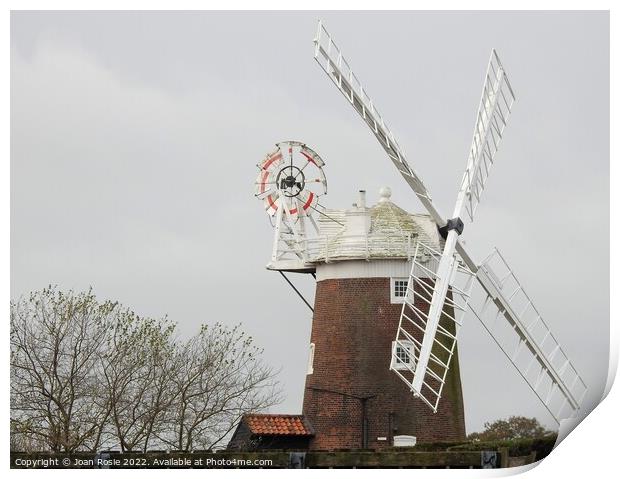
column 134, row 139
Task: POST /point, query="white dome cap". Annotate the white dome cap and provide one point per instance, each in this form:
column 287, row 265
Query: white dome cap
column 385, row 192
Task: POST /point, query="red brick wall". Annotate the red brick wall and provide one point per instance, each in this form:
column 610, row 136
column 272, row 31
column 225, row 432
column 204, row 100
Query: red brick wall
column 353, row 329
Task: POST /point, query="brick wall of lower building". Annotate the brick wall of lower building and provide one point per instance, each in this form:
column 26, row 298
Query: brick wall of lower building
column 353, row 329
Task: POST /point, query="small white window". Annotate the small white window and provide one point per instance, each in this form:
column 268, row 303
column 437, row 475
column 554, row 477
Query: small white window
column 403, row 355
column 398, row 290
column 311, row 359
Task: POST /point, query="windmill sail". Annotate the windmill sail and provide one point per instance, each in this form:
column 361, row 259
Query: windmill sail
column 414, row 320
column 493, row 112
column 330, row 58
column 492, row 117
column 514, row 323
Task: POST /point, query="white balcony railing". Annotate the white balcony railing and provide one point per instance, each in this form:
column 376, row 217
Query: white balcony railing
column 326, row 248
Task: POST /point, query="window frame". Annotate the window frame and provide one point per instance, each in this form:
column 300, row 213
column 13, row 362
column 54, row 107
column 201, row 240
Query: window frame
column 398, row 364
column 311, row 359
column 397, row 299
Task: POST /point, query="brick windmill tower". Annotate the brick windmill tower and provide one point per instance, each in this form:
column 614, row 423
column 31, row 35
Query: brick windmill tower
column 351, row 397
column 361, row 258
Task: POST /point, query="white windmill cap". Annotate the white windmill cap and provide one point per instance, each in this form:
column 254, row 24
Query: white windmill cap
column 391, row 234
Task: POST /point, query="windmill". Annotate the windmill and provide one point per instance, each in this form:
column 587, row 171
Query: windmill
column 442, row 278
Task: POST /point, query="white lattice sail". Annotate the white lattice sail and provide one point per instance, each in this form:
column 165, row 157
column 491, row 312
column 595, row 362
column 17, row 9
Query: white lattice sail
column 493, row 112
column 414, row 320
column 524, row 337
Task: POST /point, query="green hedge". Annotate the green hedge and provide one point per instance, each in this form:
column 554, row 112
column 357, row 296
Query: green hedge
column 516, row 447
column 434, row 446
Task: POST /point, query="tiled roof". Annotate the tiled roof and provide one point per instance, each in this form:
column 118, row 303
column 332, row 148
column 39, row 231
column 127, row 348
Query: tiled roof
column 278, row 424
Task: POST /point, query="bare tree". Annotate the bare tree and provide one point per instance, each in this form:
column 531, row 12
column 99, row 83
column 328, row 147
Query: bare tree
column 88, row 375
column 137, row 372
column 56, row 342
column 219, row 378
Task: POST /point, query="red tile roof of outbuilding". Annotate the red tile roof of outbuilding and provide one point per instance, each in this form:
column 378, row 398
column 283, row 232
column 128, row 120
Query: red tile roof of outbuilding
column 278, row 424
